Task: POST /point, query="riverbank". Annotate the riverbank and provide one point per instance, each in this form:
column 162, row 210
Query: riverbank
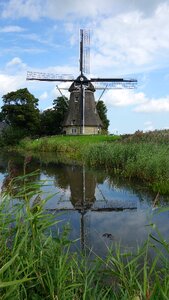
column 141, row 156
column 36, row 262
column 68, row 146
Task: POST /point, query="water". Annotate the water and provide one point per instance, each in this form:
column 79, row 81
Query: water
column 101, row 210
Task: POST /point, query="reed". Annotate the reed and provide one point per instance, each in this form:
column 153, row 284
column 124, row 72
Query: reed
column 146, row 162
column 37, row 263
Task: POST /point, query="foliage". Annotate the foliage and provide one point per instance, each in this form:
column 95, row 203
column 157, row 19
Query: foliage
column 102, row 111
column 48, row 122
column 20, row 111
column 11, row 136
column 52, row 119
column 1, row 117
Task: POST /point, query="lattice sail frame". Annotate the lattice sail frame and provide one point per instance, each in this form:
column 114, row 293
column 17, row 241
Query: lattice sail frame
column 85, row 35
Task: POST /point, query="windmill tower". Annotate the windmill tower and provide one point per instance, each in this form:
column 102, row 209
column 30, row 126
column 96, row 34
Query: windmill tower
column 82, row 116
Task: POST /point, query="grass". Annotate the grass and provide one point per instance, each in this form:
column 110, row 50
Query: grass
column 142, row 156
column 69, row 146
column 37, row 263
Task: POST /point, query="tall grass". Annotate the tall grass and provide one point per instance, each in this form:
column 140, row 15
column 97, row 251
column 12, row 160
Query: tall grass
column 37, row 263
column 69, row 146
column 139, row 156
column 146, row 162
column 64, row 143
column 34, row 263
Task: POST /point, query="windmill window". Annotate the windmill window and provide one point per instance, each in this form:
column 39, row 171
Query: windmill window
column 76, row 99
column 73, row 130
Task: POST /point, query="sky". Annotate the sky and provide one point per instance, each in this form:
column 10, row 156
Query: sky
column 129, row 39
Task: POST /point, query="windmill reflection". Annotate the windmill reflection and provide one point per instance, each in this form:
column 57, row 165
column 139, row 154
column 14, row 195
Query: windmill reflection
column 83, row 186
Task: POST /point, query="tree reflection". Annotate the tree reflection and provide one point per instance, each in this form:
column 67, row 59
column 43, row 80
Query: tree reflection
column 20, row 177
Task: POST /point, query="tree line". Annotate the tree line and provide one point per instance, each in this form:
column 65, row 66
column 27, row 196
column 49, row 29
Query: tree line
column 22, row 117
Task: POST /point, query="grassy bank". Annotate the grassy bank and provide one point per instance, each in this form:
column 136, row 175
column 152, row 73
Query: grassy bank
column 68, row 146
column 36, row 263
column 142, row 156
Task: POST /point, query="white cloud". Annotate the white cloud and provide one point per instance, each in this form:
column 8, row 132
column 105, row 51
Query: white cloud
column 141, row 103
column 124, row 98
column 154, row 105
column 16, row 61
column 13, row 76
column 10, row 83
column 11, row 29
column 132, row 41
column 57, row 9
column 20, row 8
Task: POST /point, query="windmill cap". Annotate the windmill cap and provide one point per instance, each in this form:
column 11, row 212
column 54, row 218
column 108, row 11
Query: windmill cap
column 82, row 80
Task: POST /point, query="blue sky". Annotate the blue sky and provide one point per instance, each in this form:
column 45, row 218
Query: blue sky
column 129, row 38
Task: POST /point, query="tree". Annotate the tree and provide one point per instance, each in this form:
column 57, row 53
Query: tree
column 52, row 119
column 60, row 106
column 47, row 118
column 102, row 111
column 20, row 111
column 1, row 116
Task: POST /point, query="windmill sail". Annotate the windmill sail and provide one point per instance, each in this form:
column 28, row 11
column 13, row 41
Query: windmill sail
column 84, row 51
column 40, row 76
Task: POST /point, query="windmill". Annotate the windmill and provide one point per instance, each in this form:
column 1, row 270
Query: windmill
column 82, row 116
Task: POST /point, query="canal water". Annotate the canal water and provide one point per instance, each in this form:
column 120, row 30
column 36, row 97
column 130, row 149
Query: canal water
column 101, row 210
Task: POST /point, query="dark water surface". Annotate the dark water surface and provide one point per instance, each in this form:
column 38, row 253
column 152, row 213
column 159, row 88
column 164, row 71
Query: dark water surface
column 100, row 209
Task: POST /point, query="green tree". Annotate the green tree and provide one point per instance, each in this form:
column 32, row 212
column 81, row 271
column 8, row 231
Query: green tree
column 102, row 111
column 20, row 112
column 1, row 116
column 52, row 119
column 48, row 126
column 60, row 106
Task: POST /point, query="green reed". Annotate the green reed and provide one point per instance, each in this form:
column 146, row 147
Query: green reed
column 37, row 263
column 147, row 162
